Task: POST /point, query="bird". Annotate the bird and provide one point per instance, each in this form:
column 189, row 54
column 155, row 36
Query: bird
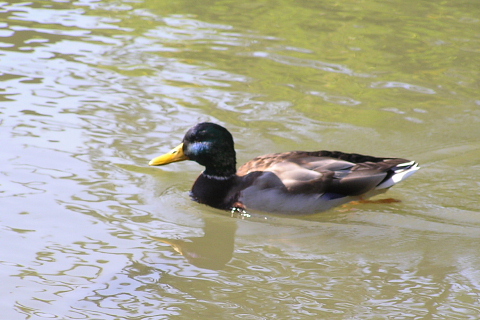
column 295, row 182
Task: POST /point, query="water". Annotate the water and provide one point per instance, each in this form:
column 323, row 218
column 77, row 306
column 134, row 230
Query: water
column 92, row 90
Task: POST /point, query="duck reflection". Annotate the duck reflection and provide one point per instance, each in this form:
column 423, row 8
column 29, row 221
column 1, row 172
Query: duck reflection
column 211, row 251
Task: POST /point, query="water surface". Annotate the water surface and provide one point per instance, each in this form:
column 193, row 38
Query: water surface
column 91, row 90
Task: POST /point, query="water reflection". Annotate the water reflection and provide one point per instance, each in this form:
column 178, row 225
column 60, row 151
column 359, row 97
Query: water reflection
column 211, row 251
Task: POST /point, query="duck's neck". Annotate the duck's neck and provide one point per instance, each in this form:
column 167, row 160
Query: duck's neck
column 223, row 167
column 214, row 190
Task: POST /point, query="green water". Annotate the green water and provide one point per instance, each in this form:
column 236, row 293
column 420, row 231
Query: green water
column 90, row 91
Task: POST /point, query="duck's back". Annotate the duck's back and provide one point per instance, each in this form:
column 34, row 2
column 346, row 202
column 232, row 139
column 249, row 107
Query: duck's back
column 307, row 182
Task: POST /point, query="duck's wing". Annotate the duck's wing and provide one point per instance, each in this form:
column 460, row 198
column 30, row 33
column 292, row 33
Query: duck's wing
column 322, row 172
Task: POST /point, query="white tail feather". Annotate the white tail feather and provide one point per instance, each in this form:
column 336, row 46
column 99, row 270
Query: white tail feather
column 402, row 172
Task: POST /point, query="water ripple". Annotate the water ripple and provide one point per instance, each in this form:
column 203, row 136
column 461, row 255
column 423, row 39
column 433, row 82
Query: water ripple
column 315, row 64
column 403, row 85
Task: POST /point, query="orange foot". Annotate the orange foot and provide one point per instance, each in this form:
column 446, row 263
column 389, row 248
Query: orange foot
column 238, row 210
column 347, row 207
column 239, row 206
column 387, row 200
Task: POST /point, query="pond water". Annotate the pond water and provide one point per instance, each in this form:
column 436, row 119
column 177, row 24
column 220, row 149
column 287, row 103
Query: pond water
column 92, row 90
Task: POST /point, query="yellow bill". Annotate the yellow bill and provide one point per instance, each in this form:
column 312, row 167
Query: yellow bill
column 174, row 155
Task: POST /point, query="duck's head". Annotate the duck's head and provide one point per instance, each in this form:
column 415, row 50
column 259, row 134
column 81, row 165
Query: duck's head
column 209, row 144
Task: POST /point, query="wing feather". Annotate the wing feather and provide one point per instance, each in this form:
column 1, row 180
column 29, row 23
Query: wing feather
column 320, row 172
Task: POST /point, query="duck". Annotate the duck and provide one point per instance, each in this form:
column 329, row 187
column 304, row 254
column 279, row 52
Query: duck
column 295, row 182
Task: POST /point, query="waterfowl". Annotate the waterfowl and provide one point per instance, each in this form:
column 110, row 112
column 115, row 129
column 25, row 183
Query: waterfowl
column 296, row 182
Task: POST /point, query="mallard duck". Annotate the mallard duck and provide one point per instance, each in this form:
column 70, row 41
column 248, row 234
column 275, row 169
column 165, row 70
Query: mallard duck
column 296, row 182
